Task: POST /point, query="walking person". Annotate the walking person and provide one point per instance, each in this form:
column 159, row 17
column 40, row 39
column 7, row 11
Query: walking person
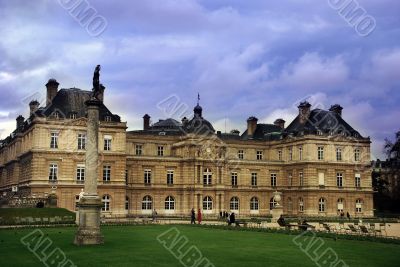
column 192, row 217
column 232, row 218
column 154, row 215
column 199, row 216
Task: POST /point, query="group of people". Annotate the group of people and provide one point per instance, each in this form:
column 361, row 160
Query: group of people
column 229, row 217
column 341, row 213
column 193, row 216
column 302, row 224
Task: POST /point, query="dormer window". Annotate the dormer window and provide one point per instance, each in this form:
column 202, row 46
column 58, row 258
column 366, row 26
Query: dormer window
column 319, row 132
column 56, row 115
column 72, row 115
column 107, row 118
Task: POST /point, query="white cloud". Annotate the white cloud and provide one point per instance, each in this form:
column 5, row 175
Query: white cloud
column 315, row 72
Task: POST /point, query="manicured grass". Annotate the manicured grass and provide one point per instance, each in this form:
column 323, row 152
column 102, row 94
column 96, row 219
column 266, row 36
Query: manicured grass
column 9, row 215
column 138, row 246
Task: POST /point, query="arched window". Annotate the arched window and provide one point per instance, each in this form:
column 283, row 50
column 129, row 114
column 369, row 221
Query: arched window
column 234, row 204
column 272, row 203
column 169, row 203
column 106, row 203
column 207, row 177
column 254, row 203
column 147, row 203
column 126, row 203
column 340, row 205
column 290, row 205
column 207, row 203
column 301, row 204
column 321, row 204
column 359, row 204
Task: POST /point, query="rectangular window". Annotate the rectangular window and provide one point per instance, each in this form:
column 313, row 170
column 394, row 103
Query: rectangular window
column 170, row 177
column 259, row 155
column 126, row 177
column 107, row 142
column 138, row 150
column 81, row 141
column 106, row 173
column 321, row 178
column 357, row 180
column 301, row 178
column 320, row 153
column 339, row 179
column 53, row 172
column 338, row 154
column 279, row 154
column 240, row 154
column 234, row 178
column 253, row 179
column 147, row 177
column 357, row 154
column 273, row 179
column 54, row 140
column 290, row 154
column 160, row 151
column 290, row 179
column 80, row 173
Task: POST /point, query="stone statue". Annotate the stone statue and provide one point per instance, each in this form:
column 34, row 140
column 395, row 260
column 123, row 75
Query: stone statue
column 96, row 82
column 81, row 194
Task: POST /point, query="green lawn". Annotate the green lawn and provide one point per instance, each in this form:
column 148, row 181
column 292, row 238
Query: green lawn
column 138, row 246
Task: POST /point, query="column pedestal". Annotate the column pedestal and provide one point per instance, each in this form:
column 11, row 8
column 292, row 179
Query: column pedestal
column 89, row 224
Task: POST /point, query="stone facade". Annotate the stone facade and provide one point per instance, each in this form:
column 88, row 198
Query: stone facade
column 172, row 168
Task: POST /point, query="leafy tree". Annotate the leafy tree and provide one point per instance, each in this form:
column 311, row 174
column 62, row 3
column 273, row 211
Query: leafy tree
column 393, row 149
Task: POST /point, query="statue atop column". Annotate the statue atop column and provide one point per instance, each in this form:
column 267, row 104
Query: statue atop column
column 96, row 91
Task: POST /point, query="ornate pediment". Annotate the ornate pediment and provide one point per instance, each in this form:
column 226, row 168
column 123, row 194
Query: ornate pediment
column 79, row 122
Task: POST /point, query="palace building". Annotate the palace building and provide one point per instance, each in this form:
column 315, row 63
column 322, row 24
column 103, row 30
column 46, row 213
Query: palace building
column 318, row 162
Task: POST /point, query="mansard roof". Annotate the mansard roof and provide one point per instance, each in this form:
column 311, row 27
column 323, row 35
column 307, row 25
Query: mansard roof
column 324, row 121
column 72, row 101
column 166, row 124
column 264, row 132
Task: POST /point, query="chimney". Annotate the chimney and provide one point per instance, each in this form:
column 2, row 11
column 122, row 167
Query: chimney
column 337, row 109
column 33, row 106
column 52, row 88
column 100, row 96
column 280, row 123
column 20, row 121
column 304, row 111
column 184, row 121
column 251, row 126
column 146, row 122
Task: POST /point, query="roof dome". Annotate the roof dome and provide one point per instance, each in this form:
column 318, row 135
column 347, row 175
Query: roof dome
column 198, row 110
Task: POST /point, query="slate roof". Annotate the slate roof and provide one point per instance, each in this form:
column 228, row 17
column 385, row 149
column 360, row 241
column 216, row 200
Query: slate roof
column 166, row 124
column 321, row 120
column 264, row 132
column 68, row 101
column 199, row 125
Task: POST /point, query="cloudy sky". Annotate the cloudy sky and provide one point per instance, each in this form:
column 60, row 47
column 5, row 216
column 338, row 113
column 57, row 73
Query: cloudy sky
column 245, row 58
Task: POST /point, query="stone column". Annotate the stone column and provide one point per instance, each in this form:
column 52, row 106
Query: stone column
column 90, row 204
